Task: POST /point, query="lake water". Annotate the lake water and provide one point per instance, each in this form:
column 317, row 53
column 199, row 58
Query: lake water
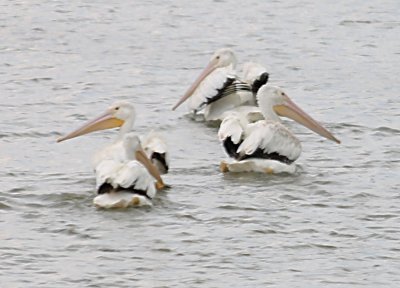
column 335, row 223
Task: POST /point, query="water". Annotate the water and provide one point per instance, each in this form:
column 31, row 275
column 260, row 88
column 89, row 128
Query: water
column 333, row 224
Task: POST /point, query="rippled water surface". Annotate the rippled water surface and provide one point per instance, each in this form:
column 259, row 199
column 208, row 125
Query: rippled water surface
column 333, row 224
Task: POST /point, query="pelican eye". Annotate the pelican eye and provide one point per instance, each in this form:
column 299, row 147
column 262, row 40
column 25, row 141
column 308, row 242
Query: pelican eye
column 116, row 108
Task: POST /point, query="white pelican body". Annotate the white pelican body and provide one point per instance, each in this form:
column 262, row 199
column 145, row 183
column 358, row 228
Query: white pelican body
column 258, row 165
column 114, row 151
column 153, row 144
column 121, row 184
column 219, row 92
column 121, row 167
column 218, row 88
column 266, row 145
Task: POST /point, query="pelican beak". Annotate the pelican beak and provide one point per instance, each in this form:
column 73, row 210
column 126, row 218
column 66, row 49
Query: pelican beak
column 212, row 65
column 291, row 110
column 104, row 121
column 142, row 158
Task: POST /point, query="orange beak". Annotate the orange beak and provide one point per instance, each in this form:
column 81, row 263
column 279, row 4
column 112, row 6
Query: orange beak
column 209, row 68
column 142, row 158
column 292, row 111
column 102, row 122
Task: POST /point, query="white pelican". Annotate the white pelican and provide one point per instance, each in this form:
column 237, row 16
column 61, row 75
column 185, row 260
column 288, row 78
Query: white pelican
column 266, row 145
column 123, row 184
column 120, row 114
column 218, row 88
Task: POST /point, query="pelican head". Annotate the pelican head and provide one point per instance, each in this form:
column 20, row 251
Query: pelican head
column 120, row 114
column 122, row 110
column 223, row 57
column 274, row 102
column 133, row 144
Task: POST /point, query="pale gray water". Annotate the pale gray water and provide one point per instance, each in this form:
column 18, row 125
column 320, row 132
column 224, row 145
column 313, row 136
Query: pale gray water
column 334, row 224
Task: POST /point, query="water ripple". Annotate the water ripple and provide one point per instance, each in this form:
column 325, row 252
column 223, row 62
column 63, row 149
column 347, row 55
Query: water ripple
column 332, row 223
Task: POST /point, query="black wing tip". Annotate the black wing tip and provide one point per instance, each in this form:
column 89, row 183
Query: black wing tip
column 261, row 80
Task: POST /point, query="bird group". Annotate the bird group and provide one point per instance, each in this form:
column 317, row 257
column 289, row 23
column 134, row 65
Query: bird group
column 248, row 110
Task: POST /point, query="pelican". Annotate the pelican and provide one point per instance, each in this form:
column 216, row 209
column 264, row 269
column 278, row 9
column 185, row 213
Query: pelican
column 218, row 88
column 128, row 183
column 267, row 145
column 120, row 114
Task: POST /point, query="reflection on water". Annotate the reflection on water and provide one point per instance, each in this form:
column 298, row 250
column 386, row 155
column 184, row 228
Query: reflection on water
column 333, row 223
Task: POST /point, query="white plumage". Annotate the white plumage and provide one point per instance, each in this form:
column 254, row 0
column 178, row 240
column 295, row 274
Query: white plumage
column 270, row 137
column 222, row 83
column 120, row 176
column 233, row 126
column 124, row 174
column 230, row 127
column 257, row 165
column 219, row 89
column 125, row 179
column 255, row 75
column 120, row 200
column 114, row 151
column 156, row 149
column 130, row 174
column 208, row 88
column 153, row 143
column 265, row 145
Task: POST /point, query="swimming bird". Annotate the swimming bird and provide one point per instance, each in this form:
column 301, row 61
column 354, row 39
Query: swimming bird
column 219, row 89
column 120, row 184
column 121, row 114
column 266, row 145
